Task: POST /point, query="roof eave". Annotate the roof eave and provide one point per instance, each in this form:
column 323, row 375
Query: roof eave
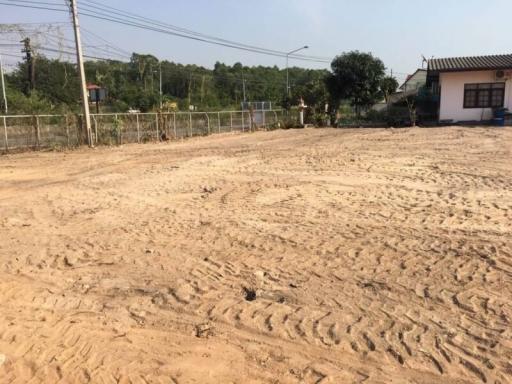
column 437, row 71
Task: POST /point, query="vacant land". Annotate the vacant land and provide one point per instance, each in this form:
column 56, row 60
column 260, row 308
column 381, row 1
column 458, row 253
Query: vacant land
column 301, row 256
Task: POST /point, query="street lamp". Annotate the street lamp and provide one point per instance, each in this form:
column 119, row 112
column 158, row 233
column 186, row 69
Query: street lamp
column 161, row 98
column 287, row 72
column 160, row 90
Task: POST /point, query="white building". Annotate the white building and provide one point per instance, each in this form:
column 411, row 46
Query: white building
column 414, row 81
column 470, row 88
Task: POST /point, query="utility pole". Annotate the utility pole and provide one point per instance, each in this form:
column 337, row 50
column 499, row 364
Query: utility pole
column 3, row 85
column 243, row 84
column 202, row 90
column 245, row 98
column 161, row 98
column 189, row 90
column 287, row 79
column 31, row 69
column 81, row 70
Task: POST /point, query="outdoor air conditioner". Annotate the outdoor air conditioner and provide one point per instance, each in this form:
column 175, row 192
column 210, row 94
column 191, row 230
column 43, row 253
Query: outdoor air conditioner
column 501, row 75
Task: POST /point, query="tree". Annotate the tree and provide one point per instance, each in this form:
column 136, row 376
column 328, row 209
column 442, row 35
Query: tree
column 135, row 84
column 356, row 76
column 411, row 107
column 388, row 86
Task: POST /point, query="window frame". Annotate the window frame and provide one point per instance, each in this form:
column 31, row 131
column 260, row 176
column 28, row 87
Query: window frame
column 484, row 87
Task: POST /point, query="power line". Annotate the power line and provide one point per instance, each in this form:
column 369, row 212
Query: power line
column 125, row 14
column 155, row 29
column 34, row 23
column 33, row 7
column 37, row 2
column 11, row 55
column 194, row 35
column 120, row 50
column 49, row 49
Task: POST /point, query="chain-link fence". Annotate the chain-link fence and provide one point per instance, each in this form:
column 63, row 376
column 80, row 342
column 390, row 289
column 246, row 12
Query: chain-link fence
column 47, row 131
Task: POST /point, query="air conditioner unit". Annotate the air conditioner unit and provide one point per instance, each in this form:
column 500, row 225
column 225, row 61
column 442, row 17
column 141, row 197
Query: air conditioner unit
column 502, row 75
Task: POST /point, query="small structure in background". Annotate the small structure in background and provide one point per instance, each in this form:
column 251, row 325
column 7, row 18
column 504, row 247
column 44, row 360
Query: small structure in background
column 256, row 110
column 257, row 105
column 472, row 89
column 415, row 81
column 97, row 94
column 410, row 88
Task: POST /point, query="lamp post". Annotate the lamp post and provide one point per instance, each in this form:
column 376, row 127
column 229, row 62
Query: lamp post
column 287, row 72
column 160, row 84
column 161, row 98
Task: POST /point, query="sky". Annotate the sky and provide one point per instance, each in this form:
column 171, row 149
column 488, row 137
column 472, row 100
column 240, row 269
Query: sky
column 396, row 31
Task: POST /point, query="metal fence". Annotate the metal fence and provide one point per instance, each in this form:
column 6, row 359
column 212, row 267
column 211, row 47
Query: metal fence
column 47, row 131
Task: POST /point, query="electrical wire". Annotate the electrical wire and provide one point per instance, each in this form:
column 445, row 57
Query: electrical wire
column 32, row 6
column 107, row 17
column 156, row 29
column 116, row 11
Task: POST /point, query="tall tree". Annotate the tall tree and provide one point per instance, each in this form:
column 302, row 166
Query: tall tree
column 388, row 86
column 135, row 84
column 356, row 76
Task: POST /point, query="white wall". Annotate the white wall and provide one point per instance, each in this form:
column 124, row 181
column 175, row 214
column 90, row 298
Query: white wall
column 452, row 95
column 419, row 79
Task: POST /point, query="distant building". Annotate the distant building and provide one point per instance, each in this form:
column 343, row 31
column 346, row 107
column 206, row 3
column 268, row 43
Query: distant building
column 471, row 88
column 410, row 87
column 96, row 93
column 415, row 81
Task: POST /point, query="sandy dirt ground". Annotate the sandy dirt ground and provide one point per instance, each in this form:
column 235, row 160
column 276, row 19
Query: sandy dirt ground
column 300, row 256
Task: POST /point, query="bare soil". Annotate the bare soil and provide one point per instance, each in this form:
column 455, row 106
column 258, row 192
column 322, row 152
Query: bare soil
column 300, row 256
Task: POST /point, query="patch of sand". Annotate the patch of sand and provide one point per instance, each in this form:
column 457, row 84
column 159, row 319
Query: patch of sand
column 300, row 256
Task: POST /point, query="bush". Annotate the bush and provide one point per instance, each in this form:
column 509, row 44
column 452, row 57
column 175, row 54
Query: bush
column 320, row 119
column 393, row 116
column 115, row 130
column 34, row 104
column 119, row 106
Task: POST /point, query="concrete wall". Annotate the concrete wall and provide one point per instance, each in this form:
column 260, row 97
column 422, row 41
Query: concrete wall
column 452, row 95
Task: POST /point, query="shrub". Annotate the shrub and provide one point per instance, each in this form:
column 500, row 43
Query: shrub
column 115, row 130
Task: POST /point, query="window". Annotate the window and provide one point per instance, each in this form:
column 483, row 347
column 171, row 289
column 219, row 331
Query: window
column 485, row 95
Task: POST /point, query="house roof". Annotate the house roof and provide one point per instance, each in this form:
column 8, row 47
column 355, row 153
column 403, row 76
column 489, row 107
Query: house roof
column 472, row 63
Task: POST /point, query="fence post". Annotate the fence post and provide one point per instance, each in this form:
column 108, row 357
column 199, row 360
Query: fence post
column 38, row 133
column 208, row 122
column 157, row 135
column 120, row 132
column 231, row 120
column 175, row 131
column 95, row 129
column 190, row 123
column 138, row 127
column 5, row 135
column 218, row 120
column 243, row 123
column 67, row 130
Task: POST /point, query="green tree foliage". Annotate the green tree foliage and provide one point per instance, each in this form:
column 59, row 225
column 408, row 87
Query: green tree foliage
column 135, row 84
column 388, row 86
column 20, row 104
column 56, row 82
column 356, row 76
